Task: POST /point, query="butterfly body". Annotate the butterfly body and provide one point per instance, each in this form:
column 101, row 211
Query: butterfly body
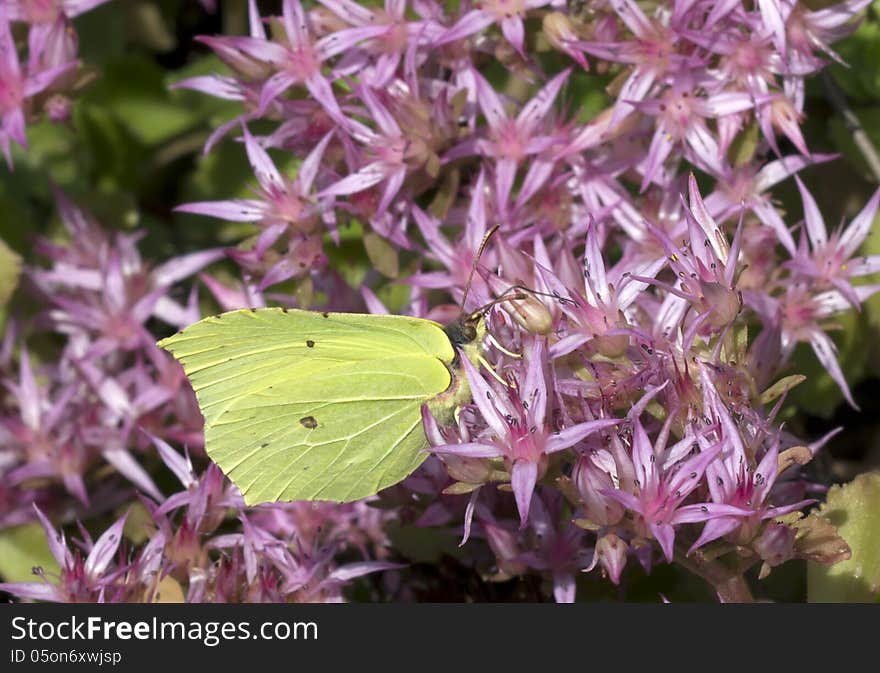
column 303, row 405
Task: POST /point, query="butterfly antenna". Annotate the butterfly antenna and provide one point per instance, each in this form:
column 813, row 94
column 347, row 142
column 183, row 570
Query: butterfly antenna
column 516, row 292
column 467, row 287
column 509, row 295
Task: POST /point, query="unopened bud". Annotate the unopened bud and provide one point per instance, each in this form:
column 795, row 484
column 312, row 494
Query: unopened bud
column 504, row 545
column 590, row 481
column 57, row 108
column 531, row 314
column 775, row 544
column 470, row 470
column 723, row 303
column 558, row 30
column 611, row 554
column 612, row 346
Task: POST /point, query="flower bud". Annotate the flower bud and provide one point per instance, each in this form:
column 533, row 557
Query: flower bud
column 722, row 302
column 775, row 544
column 57, row 108
column 590, row 481
column 531, row 314
column 612, row 346
column 558, row 30
column 504, row 545
column 611, row 554
column 469, row 470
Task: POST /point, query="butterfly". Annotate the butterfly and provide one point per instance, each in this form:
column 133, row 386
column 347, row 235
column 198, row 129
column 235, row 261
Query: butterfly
column 308, row 405
column 305, row 405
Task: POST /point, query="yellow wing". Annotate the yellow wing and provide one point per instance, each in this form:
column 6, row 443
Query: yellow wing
column 319, row 406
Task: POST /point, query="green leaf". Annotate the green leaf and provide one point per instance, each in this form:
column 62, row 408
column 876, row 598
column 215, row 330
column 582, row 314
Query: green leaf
column 134, row 90
column 854, row 508
column 781, row 387
column 382, row 255
column 10, row 269
column 819, row 394
column 742, row 149
column 22, row 548
column 860, row 48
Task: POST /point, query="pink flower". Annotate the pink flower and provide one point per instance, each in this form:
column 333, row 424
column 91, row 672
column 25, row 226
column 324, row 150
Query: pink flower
column 518, row 428
column 828, row 259
column 663, row 477
column 93, row 579
column 17, row 86
column 508, row 13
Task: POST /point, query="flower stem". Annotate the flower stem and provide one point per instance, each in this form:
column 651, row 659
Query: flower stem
column 730, row 585
column 852, row 123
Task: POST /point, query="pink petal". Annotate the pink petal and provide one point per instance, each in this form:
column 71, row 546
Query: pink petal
column 268, row 176
column 123, row 461
column 572, row 435
column 469, row 450
column 320, row 88
column 276, row 85
column 665, row 535
column 346, row 39
column 472, row 22
column 214, row 85
column 538, row 107
column 257, row 30
column 661, row 147
column 505, row 174
column 350, row 11
column 294, row 20
column 35, row 591
column 484, row 397
column 178, row 268
column 826, row 351
column 55, row 540
column 523, row 477
column 860, row 227
column 234, row 210
column 392, row 187
column 564, row 587
column 310, row 165
column 812, row 217
column 369, row 175
column 104, row 550
column 514, row 32
column 489, row 102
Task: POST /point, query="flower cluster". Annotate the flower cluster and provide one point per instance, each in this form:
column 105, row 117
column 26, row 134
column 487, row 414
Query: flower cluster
column 39, row 69
column 281, row 555
column 75, row 431
column 629, row 406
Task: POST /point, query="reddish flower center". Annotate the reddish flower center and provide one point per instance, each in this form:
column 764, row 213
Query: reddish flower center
column 302, row 62
column 677, row 111
column 390, row 149
column 509, row 142
column 829, row 260
column 799, row 310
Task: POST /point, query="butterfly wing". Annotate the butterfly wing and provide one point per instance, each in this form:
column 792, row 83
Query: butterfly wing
column 301, row 405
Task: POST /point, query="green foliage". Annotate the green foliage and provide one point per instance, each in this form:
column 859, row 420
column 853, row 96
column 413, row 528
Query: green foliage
column 22, row 549
column 854, row 508
column 861, row 83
